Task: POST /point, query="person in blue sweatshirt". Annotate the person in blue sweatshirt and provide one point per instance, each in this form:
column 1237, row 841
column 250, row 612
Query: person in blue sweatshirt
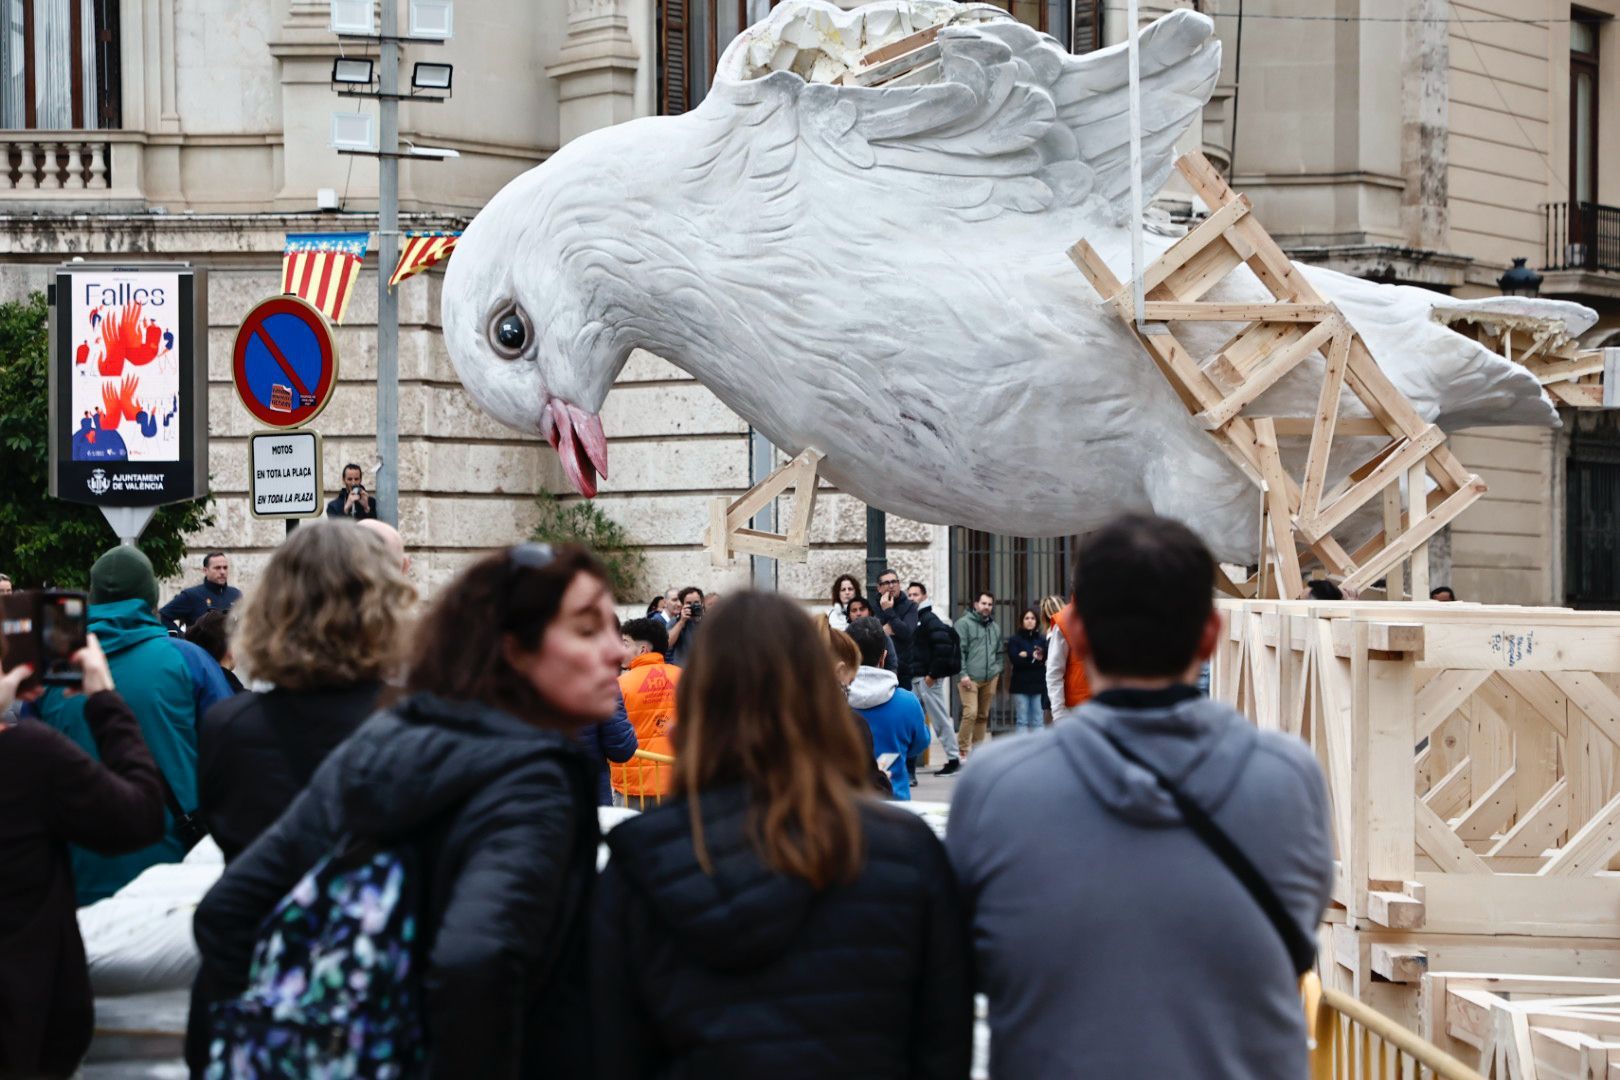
column 894, row 715
column 168, row 683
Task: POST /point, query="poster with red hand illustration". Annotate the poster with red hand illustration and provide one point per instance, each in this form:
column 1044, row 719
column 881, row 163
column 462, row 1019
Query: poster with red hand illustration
column 129, row 383
column 126, row 369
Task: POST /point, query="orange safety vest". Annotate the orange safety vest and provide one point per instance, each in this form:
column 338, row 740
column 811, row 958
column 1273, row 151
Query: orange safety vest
column 1076, row 687
column 649, row 702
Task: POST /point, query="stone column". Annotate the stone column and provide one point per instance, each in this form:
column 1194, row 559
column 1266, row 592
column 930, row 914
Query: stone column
column 596, row 70
column 1425, row 101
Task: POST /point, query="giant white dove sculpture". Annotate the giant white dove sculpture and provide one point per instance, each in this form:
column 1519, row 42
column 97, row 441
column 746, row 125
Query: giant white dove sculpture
column 880, row 273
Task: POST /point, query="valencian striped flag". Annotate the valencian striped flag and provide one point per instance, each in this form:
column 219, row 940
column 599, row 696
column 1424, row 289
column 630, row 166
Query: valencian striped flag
column 323, row 268
column 422, row 250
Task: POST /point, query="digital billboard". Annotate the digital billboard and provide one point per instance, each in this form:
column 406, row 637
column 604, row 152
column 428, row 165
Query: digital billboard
column 129, row 423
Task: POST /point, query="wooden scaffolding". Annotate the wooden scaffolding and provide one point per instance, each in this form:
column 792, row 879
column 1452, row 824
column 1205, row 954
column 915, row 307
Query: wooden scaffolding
column 1300, row 513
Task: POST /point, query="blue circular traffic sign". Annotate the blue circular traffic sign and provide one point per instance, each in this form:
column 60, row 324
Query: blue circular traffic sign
column 284, row 364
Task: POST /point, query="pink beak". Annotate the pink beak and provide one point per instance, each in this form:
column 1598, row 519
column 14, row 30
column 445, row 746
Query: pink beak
column 577, row 437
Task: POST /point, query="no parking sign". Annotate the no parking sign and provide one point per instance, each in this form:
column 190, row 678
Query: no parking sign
column 285, row 362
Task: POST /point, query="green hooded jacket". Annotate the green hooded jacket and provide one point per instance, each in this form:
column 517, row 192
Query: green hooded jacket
column 153, row 678
column 984, row 648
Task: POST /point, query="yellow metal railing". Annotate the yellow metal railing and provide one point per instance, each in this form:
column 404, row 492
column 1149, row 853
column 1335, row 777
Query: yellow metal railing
column 648, row 774
column 1351, row 1041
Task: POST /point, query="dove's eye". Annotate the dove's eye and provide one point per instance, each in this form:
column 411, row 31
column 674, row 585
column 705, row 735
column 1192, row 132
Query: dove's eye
column 509, row 332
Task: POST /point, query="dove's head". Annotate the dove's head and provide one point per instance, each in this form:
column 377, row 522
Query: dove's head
column 519, row 302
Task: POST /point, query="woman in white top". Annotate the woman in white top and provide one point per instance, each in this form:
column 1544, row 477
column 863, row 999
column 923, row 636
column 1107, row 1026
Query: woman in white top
column 844, row 589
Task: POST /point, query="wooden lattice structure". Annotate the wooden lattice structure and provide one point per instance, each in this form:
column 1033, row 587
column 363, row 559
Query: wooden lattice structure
column 1300, row 513
column 729, row 533
column 1472, row 755
column 1526, row 1027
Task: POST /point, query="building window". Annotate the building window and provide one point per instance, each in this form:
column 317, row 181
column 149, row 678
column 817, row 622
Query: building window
column 1088, row 26
column 1583, row 105
column 59, row 64
column 693, row 33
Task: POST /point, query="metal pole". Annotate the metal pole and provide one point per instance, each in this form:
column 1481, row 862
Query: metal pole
column 1135, row 69
column 761, row 461
column 877, row 547
column 387, row 481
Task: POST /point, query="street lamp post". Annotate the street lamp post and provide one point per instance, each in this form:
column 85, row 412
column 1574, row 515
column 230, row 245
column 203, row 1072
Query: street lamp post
column 352, row 78
column 387, row 480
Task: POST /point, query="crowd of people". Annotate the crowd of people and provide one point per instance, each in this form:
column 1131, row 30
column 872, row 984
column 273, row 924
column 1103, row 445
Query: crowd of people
column 407, row 806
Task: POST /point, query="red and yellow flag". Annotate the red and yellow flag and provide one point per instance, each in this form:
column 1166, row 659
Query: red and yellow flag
column 422, row 250
column 322, row 268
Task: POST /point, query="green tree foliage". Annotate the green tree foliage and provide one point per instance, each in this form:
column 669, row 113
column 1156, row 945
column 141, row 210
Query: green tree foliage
column 582, row 522
column 45, row 540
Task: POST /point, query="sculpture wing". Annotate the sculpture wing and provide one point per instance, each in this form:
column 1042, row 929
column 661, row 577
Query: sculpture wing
column 1013, row 124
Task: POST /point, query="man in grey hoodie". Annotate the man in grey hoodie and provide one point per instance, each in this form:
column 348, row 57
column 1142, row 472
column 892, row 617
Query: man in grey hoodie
column 1168, row 965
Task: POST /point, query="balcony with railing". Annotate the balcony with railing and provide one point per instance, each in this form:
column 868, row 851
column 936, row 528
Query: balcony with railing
column 93, row 169
column 1582, row 237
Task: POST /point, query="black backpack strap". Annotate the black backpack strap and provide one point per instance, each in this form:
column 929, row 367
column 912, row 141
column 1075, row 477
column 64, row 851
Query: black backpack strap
column 187, row 825
column 1301, row 949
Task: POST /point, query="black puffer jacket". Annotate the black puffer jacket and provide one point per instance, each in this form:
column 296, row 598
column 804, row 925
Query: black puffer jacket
column 748, row 973
column 506, row 817
column 933, row 650
column 255, row 753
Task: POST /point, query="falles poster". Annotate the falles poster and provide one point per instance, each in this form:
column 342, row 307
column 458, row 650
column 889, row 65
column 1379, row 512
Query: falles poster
column 126, row 370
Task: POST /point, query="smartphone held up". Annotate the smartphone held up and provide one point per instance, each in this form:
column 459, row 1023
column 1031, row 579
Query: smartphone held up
column 44, row 628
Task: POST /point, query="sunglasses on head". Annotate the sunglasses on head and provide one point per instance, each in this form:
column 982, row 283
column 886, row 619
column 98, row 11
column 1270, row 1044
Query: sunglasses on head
column 526, row 557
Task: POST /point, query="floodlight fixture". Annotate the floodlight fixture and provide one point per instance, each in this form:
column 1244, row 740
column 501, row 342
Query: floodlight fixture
column 353, row 17
column 432, row 19
column 437, row 153
column 431, row 76
column 354, row 132
column 352, row 72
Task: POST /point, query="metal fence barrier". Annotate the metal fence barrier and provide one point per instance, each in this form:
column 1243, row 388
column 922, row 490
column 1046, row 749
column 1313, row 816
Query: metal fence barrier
column 1352, row 1041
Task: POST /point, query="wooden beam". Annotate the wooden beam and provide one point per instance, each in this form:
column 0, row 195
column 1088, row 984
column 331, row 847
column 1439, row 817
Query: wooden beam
column 1268, row 374
column 1386, row 472
column 1327, row 419
column 1592, row 846
column 1189, row 247
column 1290, row 584
column 1345, row 426
column 1539, row 827
column 1439, row 843
column 1447, row 512
column 1490, row 811
column 1171, row 311
column 1450, row 794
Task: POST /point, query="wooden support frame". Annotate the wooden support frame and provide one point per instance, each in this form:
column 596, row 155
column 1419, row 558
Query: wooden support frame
column 1224, row 393
column 729, row 534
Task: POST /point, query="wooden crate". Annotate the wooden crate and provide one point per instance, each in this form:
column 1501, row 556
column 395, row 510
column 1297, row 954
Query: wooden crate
column 1525, row 1027
column 1473, row 762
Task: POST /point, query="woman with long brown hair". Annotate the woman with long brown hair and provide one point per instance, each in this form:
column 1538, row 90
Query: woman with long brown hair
column 477, row 773
column 775, row 918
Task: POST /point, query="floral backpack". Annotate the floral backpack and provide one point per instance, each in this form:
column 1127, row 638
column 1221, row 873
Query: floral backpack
column 334, row 990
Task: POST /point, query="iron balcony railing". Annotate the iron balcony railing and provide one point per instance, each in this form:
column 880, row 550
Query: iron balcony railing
column 1582, row 236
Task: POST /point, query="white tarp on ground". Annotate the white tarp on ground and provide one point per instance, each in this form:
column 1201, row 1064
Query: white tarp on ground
column 138, row 941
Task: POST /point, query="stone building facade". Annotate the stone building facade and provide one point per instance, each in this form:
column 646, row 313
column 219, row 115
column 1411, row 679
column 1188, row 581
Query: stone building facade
column 1396, row 141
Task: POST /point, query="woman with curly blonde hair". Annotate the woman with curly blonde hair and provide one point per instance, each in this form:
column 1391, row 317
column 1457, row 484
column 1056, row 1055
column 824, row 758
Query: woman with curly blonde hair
column 326, row 627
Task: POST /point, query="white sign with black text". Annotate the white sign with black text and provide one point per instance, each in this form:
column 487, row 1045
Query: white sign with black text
column 284, row 474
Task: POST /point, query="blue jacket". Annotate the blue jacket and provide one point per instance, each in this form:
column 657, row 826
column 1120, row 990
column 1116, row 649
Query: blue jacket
column 167, row 684
column 193, row 603
column 896, row 719
column 615, row 741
